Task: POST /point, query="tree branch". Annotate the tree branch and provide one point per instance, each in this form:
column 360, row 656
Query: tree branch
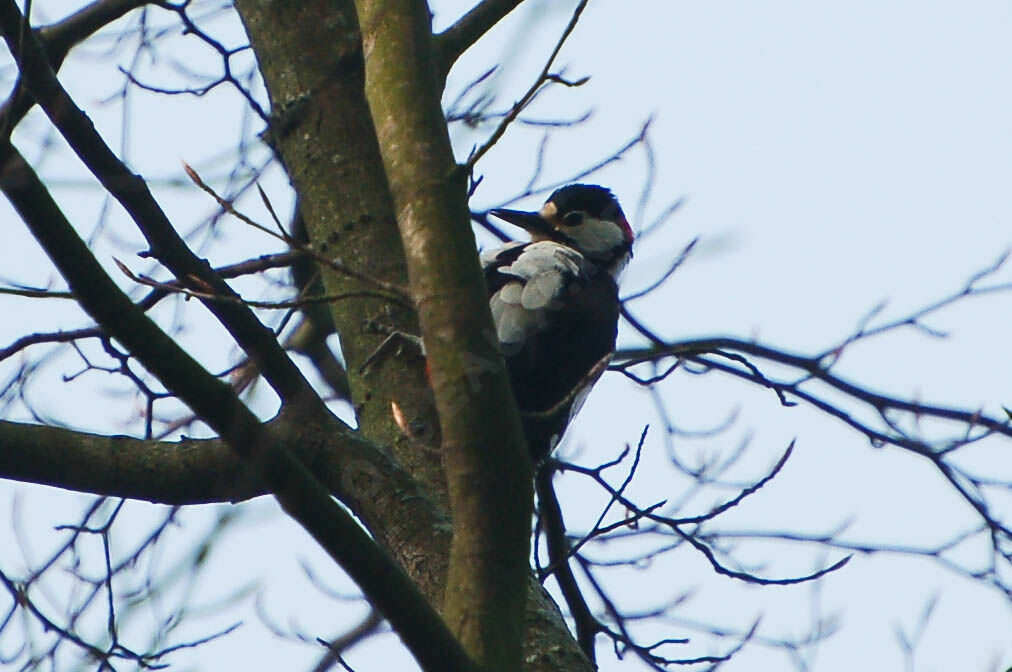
column 133, row 194
column 188, row 471
column 813, row 368
column 488, row 470
column 191, row 471
column 58, row 39
column 559, row 550
column 450, row 44
column 257, row 265
column 543, row 78
column 299, row 493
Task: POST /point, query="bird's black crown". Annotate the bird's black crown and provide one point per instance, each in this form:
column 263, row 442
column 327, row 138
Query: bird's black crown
column 593, row 199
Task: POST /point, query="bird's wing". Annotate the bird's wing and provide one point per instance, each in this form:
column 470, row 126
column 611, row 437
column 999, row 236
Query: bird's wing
column 526, row 282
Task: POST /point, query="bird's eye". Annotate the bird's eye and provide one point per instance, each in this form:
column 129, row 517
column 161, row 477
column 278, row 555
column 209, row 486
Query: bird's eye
column 573, row 219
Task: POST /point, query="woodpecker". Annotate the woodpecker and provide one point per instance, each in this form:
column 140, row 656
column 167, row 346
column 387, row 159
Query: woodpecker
column 555, row 304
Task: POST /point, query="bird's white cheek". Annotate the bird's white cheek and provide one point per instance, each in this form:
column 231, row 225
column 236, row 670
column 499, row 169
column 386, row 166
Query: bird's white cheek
column 597, row 237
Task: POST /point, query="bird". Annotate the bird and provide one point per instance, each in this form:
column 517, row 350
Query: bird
column 555, row 304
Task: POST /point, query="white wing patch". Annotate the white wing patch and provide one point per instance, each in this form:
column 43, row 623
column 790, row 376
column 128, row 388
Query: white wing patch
column 512, row 293
column 543, row 271
column 542, row 289
column 545, row 255
column 488, row 257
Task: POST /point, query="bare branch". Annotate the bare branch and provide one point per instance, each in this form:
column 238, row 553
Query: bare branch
column 189, row 471
column 551, row 522
column 915, row 319
column 450, row 44
column 814, row 370
column 133, row 194
column 691, row 537
column 341, row 643
column 35, row 293
column 299, row 493
column 525, row 100
column 262, row 263
column 58, row 39
column 208, row 295
column 403, row 296
column 675, row 265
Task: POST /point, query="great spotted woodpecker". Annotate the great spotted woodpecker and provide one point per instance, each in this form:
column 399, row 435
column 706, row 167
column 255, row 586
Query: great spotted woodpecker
column 555, row 304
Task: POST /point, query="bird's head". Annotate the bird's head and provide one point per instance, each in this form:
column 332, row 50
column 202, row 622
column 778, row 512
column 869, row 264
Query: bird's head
column 585, row 217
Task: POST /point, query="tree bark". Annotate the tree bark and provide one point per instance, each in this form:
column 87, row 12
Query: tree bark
column 310, row 55
column 488, row 470
column 311, row 59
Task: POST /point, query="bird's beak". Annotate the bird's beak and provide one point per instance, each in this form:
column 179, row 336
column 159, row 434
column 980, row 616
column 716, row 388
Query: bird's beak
column 532, row 222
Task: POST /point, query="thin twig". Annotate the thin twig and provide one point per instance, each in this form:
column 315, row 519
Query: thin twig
column 530, row 94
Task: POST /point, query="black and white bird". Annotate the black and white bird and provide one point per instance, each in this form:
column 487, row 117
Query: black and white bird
column 555, row 304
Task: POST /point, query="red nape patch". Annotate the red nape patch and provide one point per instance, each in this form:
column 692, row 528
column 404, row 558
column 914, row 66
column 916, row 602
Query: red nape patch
column 626, row 229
